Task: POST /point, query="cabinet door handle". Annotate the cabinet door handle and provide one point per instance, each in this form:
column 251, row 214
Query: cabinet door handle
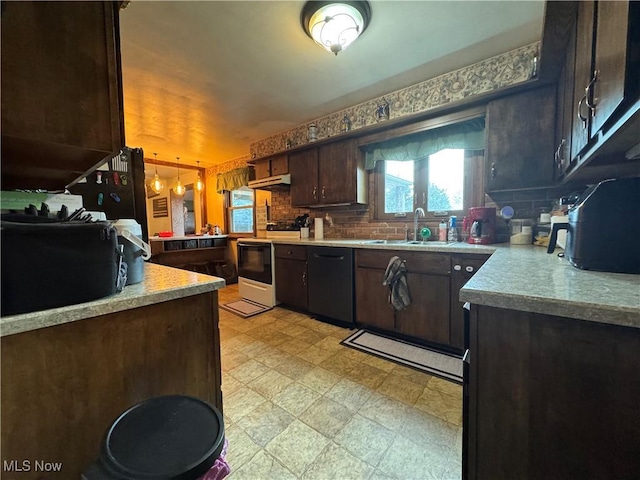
column 315, row 193
column 466, row 358
column 424, row 198
column 588, row 93
column 469, row 268
column 304, row 278
column 323, row 192
column 494, row 172
column 580, row 116
column 457, row 268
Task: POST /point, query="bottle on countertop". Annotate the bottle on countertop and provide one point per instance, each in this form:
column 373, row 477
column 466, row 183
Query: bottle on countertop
column 453, row 230
column 465, row 229
column 442, row 232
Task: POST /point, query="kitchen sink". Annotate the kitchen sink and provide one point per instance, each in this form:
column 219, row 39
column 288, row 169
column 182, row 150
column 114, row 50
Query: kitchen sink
column 387, row 242
column 405, row 242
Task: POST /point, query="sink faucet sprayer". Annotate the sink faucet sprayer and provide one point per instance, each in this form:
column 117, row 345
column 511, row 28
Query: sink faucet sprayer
column 419, row 212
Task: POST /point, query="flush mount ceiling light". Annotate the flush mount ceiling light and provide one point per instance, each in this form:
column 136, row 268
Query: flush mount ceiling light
column 179, row 189
column 156, row 184
column 335, row 25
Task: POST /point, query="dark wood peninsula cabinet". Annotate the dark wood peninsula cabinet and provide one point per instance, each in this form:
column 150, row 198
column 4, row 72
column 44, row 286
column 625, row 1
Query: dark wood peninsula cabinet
column 330, row 174
column 520, row 140
column 61, row 91
column 551, row 397
column 291, row 275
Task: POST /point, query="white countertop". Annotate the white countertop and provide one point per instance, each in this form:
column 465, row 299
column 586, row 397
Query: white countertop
column 160, row 284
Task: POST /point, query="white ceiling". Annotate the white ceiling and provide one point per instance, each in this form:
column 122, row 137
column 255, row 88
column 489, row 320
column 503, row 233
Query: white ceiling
column 203, row 80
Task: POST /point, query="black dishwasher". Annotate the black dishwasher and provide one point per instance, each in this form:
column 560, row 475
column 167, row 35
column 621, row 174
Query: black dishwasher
column 330, row 282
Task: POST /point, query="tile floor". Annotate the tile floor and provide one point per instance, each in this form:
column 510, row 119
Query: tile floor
column 298, row 404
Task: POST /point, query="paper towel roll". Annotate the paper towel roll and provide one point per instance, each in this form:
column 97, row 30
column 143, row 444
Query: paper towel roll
column 318, row 228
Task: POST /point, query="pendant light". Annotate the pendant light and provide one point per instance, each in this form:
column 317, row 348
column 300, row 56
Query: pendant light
column 199, row 182
column 179, row 188
column 156, row 184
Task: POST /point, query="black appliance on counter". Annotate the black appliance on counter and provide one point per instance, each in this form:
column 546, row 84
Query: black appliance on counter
column 603, row 232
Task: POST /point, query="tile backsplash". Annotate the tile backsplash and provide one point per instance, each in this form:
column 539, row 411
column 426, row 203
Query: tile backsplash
column 354, row 221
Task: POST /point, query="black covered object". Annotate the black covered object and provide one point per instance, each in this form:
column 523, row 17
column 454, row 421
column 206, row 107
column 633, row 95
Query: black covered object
column 54, row 264
column 603, row 232
column 164, row 438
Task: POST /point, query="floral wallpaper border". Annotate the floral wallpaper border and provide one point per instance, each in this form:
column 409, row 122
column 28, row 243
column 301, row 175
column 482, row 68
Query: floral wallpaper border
column 503, row 70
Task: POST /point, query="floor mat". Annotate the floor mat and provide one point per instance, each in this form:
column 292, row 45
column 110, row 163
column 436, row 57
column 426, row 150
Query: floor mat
column 244, row 308
column 418, row 357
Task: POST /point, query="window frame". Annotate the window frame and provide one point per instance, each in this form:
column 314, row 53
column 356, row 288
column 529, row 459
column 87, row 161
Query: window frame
column 473, row 189
column 229, row 209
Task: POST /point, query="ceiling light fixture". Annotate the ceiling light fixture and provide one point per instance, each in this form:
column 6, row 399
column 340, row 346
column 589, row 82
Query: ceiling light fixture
column 199, row 182
column 156, row 184
column 179, row 188
column 335, row 25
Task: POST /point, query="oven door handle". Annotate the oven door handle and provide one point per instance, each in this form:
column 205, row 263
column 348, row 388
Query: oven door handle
column 254, row 245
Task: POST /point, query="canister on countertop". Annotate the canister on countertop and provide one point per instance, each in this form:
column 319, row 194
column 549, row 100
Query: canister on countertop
column 135, row 249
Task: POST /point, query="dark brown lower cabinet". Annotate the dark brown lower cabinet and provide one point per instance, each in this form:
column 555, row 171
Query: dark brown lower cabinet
column 552, row 397
column 463, row 267
column 427, row 318
column 291, row 275
column 372, row 305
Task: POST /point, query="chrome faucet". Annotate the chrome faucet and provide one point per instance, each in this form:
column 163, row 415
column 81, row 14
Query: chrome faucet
column 418, row 213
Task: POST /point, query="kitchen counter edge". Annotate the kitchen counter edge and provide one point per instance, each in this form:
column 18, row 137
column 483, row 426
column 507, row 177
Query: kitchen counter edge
column 526, row 278
column 160, row 284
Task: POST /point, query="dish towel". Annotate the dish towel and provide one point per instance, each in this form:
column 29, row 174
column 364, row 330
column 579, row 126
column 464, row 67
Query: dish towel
column 395, row 277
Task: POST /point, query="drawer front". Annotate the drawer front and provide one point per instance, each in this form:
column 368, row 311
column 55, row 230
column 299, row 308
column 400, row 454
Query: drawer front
column 295, row 252
column 417, row 262
column 467, row 266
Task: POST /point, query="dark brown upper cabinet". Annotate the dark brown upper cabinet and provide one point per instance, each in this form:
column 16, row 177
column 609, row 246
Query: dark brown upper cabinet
column 61, row 91
column 604, row 87
column 331, row 174
column 520, row 140
column 269, row 167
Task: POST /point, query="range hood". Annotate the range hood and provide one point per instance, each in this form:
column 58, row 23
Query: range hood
column 271, row 183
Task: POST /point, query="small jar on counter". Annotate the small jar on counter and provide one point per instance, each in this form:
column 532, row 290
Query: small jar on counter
column 442, row 232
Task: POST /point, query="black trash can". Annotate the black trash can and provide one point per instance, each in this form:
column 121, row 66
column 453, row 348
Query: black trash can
column 164, row 438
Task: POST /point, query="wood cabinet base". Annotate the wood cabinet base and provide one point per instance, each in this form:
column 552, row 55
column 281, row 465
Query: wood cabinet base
column 62, row 386
column 552, row 397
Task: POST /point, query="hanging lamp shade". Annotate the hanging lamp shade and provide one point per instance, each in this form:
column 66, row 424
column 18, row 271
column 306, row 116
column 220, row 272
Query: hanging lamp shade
column 157, row 185
column 335, row 25
column 179, row 189
column 199, row 182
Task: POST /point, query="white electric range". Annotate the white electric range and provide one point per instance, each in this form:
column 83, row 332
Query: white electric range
column 256, row 267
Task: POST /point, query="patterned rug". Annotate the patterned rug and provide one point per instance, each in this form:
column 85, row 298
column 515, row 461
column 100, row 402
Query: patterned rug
column 244, row 308
column 418, row 357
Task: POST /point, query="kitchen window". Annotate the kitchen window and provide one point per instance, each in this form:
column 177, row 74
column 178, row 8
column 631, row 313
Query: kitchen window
column 439, row 170
column 442, row 184
column 240, row 211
